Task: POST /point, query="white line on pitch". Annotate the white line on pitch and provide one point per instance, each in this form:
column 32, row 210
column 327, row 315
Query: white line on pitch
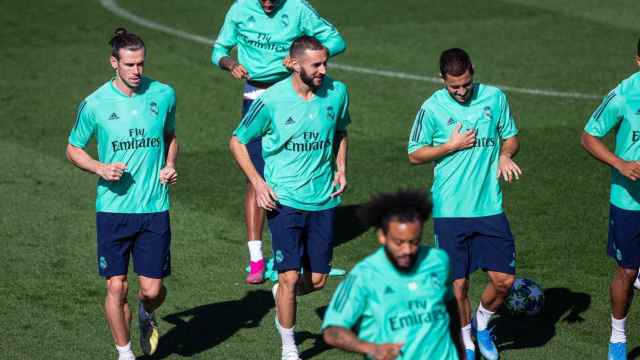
column 113, row 6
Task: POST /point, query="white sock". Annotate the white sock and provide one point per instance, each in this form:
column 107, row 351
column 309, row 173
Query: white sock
column 287, row 336
column 482, row 317
column 617, row 330
column 125, row 351
column 466, row 337
column 255, row 250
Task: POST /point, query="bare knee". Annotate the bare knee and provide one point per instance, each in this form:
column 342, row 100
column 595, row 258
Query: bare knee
column 117, row 287
column 628, row 275
column 318, row 281
column 288, row 281
column 151, row 290
column 503, row 283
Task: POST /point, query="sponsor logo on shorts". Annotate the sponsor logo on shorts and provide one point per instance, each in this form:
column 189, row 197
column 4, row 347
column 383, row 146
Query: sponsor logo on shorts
column 103, row 262
column 279, row 256
column 618, row 255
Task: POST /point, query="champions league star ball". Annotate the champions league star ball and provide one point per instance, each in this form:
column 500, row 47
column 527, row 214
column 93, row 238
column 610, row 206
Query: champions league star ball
column 525, row 298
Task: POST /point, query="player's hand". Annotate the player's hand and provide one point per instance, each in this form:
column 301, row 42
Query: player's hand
column 630, row 169
column 168, row 175
column 459, row 141
column 287, row 62
column 111, row 172
column 238, row 71
column 340, row 180
column 386, row 351
column 265, row 196
column 508, row 169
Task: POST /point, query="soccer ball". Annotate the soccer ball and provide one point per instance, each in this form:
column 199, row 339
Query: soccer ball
column 525, row 298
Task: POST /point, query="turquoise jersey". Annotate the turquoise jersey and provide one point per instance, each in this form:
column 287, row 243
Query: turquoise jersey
column 297, row 141
column 620, row 110
column 263, row 40
column 130, row 130
column 389, row 306
column 465, row 182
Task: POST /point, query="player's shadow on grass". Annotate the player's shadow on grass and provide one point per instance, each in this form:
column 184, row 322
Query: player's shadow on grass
column 347, row 225
column 319, row 346
column 203, row 327
column 560, row 304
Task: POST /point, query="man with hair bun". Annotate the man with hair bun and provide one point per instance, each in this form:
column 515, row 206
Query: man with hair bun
column 467, row 130
column 262, row 31
column 399, row 298
column 133, row 120
column 303, row 124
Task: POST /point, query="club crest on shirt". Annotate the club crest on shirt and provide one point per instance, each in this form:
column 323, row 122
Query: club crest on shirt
column 330, row 113
column 435, row 280
column 284, row 20
column 154, row 108
column 251, row 21
column 486, row 112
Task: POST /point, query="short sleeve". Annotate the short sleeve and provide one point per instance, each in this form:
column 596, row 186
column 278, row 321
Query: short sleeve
column 84, row 127
column 344, row 118
column 347, row 304
column 226, row 39
column 506, row 123
column 255, row 123
column 421, row 131
column 606, row 117
column 170, row 120
column 314, row 25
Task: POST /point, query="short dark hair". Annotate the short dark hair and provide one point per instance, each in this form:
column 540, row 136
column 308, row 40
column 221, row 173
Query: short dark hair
column 403, row 206
column 304, row 43
column 124, row 40
column 455, row 62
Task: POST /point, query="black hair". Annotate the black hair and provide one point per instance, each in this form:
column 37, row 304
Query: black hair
column 403, row 206
column 304, row 43
column 124, row 40
column 455, row 62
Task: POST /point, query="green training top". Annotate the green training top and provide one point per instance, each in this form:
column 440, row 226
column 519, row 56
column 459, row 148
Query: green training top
column 263, row 40
column 465, row 182
column 297, row 141
column 130, row 130
column 620, row 110
column 389, row 306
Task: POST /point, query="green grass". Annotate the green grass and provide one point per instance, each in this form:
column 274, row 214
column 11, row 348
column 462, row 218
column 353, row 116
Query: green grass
column 55, row 53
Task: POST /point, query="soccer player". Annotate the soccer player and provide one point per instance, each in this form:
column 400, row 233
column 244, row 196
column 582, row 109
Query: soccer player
column 302, row 121
column 262, row 31
column 133, row 120
column 468, row 131
column 620, row 111
column 399, row 298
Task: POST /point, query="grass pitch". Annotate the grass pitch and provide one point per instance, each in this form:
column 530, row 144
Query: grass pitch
column 55, row 53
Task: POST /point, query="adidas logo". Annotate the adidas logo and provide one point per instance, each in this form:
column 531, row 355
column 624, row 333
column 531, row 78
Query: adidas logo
column 388, row 290
column 451, row 122
column 289, row 121
column 114, row 116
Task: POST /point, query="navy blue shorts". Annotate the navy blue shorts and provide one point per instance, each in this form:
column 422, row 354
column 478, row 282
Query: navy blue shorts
column 145, row 236
column 624, row 237
column 302, row 239
column 476, row 243
column 254, row 146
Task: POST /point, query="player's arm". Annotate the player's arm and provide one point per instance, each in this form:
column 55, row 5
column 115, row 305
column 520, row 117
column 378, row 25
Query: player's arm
column 454, row 327
column 599, row 150
column 457, row 141
column 507, row 168
column 227, row 40
column 346, row 340
column 168, row 174
column 340, row 178
column 315, row 25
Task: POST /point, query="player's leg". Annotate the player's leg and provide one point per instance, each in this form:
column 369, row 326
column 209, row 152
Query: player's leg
column 152, row 263
column 624, row 246
column 114, row 243
column 493, row 249
column 450, row 235
column 318, row 250
column 286, row 225
column 253, row 215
